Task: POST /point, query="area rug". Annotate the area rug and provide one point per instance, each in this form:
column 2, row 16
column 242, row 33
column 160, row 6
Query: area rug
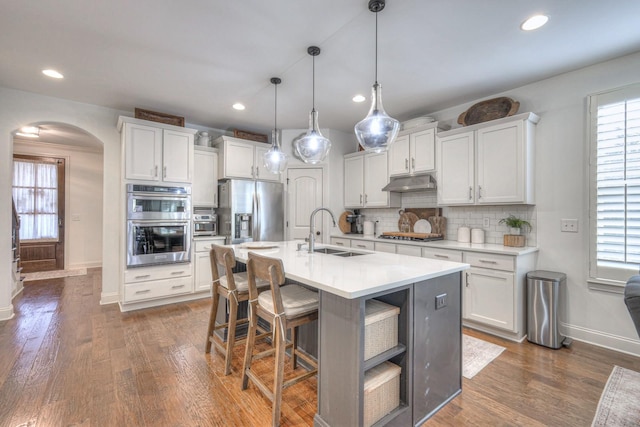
column 619, row 403
column 54, row 274
column 476, row 354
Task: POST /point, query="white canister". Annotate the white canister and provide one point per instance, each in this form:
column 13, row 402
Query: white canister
column 368, row 228
column 464, row 234
column 477, row 235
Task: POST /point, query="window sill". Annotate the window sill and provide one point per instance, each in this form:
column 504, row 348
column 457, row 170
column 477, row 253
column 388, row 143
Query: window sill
column 604, row 285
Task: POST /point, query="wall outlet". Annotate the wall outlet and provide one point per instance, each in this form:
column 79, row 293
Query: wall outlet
column 569, row 225
column 486, row 222
column 441, row 301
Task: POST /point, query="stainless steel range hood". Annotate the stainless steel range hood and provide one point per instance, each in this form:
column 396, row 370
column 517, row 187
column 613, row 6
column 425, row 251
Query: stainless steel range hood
column 407, row 184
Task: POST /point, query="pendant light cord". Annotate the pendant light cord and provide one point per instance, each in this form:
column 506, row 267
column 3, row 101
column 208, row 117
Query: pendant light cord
column 376, row 79
column 313, row 84
column 275, row 108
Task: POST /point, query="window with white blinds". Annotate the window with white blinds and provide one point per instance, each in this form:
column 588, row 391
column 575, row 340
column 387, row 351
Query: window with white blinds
column 615, row 192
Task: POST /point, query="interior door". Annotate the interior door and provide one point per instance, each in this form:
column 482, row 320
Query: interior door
column 304, row 194
column 39, row 196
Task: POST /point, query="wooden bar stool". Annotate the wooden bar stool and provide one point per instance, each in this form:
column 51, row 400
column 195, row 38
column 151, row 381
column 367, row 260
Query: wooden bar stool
column 235, row 288
column 283, row 307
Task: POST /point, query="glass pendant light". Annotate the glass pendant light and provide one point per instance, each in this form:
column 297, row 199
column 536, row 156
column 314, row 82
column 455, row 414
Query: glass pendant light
column 378, row 130
column 275, row 160
column 313, row 147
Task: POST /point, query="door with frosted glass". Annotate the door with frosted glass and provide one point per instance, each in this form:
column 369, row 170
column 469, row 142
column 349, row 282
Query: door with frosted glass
column 38, row 193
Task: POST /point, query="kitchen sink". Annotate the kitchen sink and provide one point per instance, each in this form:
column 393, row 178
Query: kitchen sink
column 337, row 252
column 346, row 254
column 328, row 251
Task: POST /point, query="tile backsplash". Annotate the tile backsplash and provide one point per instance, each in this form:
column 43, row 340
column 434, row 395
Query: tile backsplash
column 459, row 216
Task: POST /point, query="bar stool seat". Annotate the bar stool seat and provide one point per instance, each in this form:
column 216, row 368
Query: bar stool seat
column 235, row 288
column 284, row 307
column 296, row 300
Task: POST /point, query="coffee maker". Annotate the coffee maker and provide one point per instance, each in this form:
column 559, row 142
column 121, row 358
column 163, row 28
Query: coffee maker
column 356, row 221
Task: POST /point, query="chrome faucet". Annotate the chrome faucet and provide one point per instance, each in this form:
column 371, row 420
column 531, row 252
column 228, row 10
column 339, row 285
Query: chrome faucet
column 312, row 231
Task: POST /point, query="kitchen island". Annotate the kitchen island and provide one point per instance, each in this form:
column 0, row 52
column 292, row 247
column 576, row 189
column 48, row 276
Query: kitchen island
column 428, row 295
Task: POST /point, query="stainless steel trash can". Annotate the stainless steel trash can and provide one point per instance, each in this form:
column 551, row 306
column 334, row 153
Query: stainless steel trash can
column 545, row 292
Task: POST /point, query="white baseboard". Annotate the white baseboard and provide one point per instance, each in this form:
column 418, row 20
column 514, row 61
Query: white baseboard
column 93, row 264
column 7, row 313
column 602, row 339
column 109, row 298
column 163, row 301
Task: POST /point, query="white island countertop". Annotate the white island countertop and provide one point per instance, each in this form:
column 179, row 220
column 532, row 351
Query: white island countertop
column 350, row 277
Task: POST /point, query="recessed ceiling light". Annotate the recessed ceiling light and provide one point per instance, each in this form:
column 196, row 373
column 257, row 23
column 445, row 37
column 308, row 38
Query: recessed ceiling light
column 52, row 73
column 359, row 98
column 238, row 106
column 534, row 22
column 29, row 131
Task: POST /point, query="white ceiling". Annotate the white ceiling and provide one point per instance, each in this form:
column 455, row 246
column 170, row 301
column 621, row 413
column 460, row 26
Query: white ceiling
column 195, row 58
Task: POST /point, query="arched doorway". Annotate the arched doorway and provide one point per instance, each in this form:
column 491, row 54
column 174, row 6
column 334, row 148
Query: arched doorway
column 78, row 157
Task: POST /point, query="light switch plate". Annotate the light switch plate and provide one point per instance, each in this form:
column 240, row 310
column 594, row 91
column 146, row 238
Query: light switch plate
column 486, row 222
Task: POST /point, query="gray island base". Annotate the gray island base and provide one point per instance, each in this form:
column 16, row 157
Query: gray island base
column 429, row 350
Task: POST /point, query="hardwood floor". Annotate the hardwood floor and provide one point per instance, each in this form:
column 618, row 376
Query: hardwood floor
column 66, row 360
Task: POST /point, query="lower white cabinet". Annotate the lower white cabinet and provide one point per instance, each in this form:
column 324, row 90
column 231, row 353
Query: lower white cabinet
column 363, row 244
column 442, row 254
column 339, row 241
column 385, row 247
column 202, row 262
column 147, row 283
column 409, row 250
column 489, row 298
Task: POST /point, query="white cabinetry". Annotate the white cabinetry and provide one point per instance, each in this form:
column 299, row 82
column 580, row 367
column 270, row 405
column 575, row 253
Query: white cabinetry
column 204, row 191
column 494, row 297
column 156, row 152
column 243, row 159
column 148, row 283
column 202, row 262
column 488, row 163
column 414, row 151
column 364, row 176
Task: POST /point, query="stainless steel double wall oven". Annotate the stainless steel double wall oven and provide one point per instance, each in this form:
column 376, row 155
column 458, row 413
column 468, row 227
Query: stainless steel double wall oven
column 158, row 225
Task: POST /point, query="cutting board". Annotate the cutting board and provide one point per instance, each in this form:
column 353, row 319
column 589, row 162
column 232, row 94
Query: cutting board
column 434, row 216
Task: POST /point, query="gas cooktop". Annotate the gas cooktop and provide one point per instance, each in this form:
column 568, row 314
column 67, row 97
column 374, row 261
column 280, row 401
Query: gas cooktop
column 414, row 237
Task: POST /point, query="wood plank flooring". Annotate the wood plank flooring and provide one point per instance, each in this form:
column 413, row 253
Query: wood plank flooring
column 65, row 360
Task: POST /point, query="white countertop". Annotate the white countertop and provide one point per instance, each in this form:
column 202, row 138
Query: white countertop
column 448, row 244
column 352, row 277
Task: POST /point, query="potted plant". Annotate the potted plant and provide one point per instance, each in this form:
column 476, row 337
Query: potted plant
column 515, row 224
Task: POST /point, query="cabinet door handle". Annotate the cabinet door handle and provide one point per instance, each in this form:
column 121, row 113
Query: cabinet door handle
column 339, row 244
column 361, row 199
column 164, row 171
column 143, row 292
column 406, row 164
column 175, row 273
column 361, row 246
column 441, row 256
column 413, row 163
column 467, row 281
column 252, row 174
column 257, row 171
column 144, row 276
column 470, row 193
column 177, row 286
column 487, row 261
column 479, row 192
column 366, row 198
column 155, row 173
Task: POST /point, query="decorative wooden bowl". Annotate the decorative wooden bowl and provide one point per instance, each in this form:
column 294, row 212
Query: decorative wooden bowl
column 489, row 109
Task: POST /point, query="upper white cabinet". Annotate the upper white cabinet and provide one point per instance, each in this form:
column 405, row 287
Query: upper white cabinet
column 204, row 191
column 414, row 151
column 239, row 158
column 488, row 163
column 365, row 174
column 160, row 153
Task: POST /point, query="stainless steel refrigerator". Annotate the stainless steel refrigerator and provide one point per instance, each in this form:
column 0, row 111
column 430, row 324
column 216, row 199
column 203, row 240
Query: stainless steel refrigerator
column 251, row 210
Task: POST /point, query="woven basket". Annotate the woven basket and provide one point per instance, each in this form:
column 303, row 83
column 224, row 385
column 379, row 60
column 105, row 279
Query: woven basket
column 381, row 391
column 380, row 327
